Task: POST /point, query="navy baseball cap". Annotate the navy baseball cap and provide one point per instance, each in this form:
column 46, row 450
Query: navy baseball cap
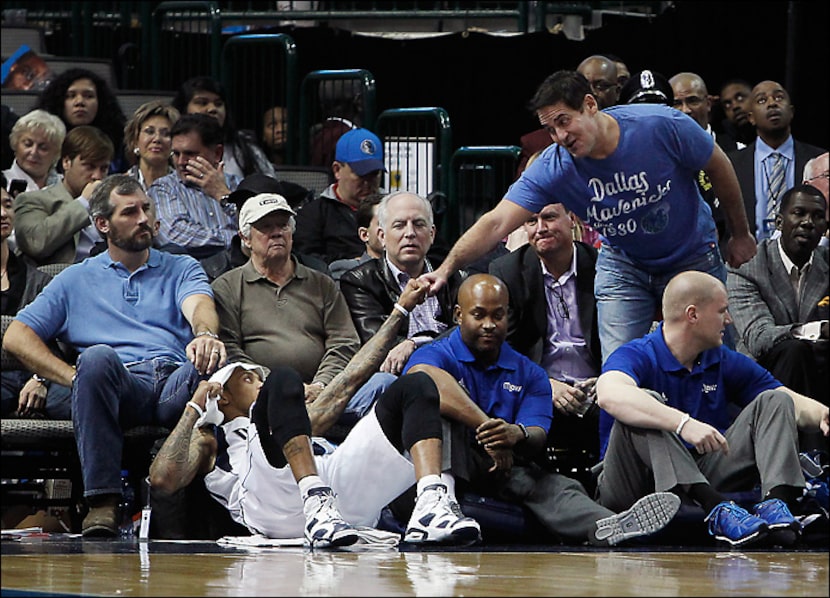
column 361, row 150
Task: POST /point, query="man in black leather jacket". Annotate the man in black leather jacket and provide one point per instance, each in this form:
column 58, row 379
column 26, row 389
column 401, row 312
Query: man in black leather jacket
column 407, row 231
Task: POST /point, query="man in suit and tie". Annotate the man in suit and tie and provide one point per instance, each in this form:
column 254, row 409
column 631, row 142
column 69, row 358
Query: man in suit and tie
column 553, row 320
column 774, row 162
column 778, row 299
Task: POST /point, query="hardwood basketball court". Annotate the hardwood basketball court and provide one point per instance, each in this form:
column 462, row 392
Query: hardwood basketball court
column 57, row 564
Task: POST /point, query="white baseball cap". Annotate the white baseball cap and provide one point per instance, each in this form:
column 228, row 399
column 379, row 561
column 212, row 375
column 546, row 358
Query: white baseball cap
column 260, row 206
column 222, row 375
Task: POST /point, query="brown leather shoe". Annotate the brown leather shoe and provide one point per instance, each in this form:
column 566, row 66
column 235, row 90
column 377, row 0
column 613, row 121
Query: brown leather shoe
column 102, row 519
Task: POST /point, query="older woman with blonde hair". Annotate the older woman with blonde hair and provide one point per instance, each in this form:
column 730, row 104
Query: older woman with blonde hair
column 148, row 143
column 36, row 139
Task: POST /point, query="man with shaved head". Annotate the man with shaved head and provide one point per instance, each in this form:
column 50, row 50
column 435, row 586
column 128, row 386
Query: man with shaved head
column 501, row 400
column 601, row 73
column 670, row 394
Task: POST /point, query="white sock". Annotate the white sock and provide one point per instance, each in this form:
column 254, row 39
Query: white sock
column 428, row 480
column 449, row 481
column 309, row 482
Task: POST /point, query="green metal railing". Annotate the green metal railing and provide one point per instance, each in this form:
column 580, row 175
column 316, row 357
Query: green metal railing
column 260, row 72
column 479, row 178
column 186, row 40
column 343, row 93
column 417, row 149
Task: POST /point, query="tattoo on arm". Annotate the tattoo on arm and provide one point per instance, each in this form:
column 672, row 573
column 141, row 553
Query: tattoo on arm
column 330, row 404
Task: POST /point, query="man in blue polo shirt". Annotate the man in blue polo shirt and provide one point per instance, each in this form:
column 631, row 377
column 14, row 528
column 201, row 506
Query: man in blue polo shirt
column 145, row 326
column 673, row 395
column 503, row 404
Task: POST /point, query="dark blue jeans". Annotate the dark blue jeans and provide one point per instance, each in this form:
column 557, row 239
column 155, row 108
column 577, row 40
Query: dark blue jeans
column 109, row 397
column 58, row 398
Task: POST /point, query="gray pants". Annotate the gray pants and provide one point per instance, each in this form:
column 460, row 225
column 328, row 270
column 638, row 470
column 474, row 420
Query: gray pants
column 763, row 446
column 560, row 503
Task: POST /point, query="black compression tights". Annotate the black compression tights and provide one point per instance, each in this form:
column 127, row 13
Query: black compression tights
column 280, row 413
column 408, row 411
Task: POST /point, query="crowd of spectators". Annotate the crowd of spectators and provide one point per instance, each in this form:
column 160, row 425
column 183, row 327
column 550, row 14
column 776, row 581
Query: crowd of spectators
column 664, row 311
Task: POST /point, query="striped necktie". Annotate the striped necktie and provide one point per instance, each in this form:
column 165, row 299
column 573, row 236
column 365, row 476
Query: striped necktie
column 776, row 167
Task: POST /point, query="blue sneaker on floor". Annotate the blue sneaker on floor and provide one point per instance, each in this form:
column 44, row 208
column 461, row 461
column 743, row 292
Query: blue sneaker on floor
column 733, row 524
column 818, row 490
column 782, row 525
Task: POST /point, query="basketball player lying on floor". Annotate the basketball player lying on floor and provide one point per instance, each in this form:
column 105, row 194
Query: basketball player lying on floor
column 261, row 449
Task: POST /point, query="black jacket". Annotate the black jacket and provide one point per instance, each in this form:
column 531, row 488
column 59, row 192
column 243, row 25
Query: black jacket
column 521, row 271
column 371, row 290
column 327, row 229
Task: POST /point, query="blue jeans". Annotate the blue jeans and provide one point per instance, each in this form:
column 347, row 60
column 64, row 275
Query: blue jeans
column 109, row 397
column 629, row 297
column 367, row 395
column 58, row 398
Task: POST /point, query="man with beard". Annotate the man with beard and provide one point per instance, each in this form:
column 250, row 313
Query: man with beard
column 774, row 161
column 145, row 327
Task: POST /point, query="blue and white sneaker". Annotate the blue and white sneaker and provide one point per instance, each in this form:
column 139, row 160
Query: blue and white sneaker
column 735, row 525
column 324, row 525
column 782, row 525
column 436, row 520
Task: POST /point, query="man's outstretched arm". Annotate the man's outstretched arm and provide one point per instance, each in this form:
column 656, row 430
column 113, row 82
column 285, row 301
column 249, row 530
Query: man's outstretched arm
column 329, row 405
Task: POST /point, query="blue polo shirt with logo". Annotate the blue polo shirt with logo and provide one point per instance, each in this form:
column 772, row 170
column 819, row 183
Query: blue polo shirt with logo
column 514, row 388
column 720, row 376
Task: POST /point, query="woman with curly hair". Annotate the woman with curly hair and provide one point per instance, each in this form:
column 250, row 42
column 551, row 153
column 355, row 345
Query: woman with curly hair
column 81, row 97
column 242, row 154
column 147, row 141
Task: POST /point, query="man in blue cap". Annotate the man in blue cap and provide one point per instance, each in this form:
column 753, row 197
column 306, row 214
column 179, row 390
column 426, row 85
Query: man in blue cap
column 326, row 226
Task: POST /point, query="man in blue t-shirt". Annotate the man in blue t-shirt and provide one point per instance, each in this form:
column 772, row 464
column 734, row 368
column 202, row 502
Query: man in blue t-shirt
column 500, row 407
column 673, row 394
column 630, row 173
column 145, row 327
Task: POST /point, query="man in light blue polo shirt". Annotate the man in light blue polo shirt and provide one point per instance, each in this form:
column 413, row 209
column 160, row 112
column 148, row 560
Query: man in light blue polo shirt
column 502, row 401
column 670, row 393
column 145, row 327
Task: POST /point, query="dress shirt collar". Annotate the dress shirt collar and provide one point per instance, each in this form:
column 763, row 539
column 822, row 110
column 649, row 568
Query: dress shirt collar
column 763, row 151
column 566, row 275
column 400, row 276
column 788, row 263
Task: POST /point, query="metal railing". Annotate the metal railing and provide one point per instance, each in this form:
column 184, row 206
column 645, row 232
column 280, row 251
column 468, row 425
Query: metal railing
column 260, row 73
column 347, row 95
column 479, row 178
column 417, row 148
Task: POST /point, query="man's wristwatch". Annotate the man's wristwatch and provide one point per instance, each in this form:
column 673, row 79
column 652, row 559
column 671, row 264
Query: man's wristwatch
column 40, row 379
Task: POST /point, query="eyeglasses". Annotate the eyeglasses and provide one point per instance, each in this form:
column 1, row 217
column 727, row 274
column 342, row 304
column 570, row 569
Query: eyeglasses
column 560, row 306
column 821, row 175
